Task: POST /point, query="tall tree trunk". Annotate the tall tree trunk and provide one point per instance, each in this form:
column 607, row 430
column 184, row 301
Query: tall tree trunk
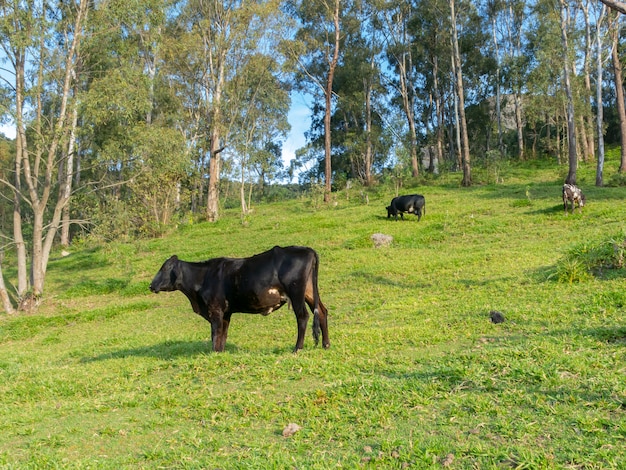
column 67, row 184
column 498, row 97
column 21, row 150
column 519, row 124
column 571, row 127
column 368, row 130
column 588, row 115
column 439, row 112
column 599, row 100
column 213, row 196
column 4, row 294
column 467, row 179
column 328, row 111
column 457, row 126
column 619, row 93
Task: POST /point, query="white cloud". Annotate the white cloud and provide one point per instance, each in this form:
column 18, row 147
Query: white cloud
column 8, row 130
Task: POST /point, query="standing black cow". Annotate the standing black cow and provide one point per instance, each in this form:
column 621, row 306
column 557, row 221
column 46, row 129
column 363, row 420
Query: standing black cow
column 573, row 194
column 219, row 287
column 412, row 203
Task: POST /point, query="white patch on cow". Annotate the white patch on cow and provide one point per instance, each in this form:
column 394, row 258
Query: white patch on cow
column 273, row 291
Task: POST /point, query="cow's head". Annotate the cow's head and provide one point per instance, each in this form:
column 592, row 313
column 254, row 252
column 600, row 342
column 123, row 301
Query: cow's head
column 168, row 277
column 583, row 199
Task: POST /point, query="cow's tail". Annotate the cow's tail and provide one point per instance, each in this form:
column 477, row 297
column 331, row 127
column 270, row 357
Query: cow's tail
column 316, row 299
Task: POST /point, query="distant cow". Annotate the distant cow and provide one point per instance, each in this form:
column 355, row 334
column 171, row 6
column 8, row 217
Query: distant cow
column 219, row 287
column 413, row 203
column 573, row 194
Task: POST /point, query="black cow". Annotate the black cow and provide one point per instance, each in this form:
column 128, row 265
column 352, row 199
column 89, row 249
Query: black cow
column 219, row 287
column 573, row 194
column 413, row 203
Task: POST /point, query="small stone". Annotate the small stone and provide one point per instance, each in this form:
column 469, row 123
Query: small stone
column 291, row 429
column 380, row 240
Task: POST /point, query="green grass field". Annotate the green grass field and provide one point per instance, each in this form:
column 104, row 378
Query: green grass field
column 107, row 375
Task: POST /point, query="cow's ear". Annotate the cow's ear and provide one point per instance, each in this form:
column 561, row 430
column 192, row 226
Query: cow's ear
column 177, row 272
column 174, row 258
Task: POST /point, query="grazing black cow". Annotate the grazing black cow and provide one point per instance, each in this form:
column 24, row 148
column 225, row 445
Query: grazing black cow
column 413, row 203
column 219, row 287
column 573, row 194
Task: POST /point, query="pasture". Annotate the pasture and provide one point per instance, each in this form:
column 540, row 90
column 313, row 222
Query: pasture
column 107, row 375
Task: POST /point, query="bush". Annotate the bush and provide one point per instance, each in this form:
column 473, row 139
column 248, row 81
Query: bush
column 592, row 259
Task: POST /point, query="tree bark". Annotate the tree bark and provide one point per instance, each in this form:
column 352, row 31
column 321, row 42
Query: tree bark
column 571, row 126
column 4, row 295
column 599, row 101
column 467, row 179
column 619, row 94
column 328, row 111
column 615, row 5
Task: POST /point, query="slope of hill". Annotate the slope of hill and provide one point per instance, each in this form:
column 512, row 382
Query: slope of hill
column 108, row 375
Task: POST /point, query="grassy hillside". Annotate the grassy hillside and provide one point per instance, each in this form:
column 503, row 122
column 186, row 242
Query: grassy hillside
column 108, row 375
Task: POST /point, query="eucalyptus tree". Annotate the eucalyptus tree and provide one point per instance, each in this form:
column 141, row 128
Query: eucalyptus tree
column 40, row 41
column 261, row 121
column 393, row 20
column 571, row 127
column 133, row 148
column 460, row 95
column 358, row 135
column 599, row 40
column 215, row 39
column 315, row 53
column 619, row 87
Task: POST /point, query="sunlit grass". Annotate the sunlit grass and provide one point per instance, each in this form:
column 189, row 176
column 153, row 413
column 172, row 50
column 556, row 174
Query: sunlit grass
column 108, row 375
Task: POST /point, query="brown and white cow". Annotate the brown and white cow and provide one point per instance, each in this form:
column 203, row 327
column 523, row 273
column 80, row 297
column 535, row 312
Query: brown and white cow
column 574, row 195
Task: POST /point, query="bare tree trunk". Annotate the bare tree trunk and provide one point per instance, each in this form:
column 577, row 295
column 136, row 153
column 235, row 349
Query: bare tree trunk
column 571, row 127
column 467, row 179
column 21, row 150
column 588, row 115
column 519, row 125
column 439, row 112
column 457, row 125
column 599, row 100
column 213, row 196
column 619, row 93
column 498, row 97
column 67, row 184
column 328, row 111
column 242, row 188
column 4, row 295
column 368, row 130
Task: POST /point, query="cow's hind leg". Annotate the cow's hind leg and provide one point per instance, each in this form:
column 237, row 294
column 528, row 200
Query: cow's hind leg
column 321, row 315
column 302, row 318
column 320, row 320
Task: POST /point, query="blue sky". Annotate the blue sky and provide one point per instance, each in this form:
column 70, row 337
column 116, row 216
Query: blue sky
column 300, row 119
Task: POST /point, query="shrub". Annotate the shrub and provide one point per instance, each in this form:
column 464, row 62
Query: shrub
column 592, row 259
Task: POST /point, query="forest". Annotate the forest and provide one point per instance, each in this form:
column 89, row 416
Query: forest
column 131, row 117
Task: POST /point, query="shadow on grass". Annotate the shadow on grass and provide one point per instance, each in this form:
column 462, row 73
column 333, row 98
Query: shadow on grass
column 615, row 335
column 556, row 209
column 380, row 280
column 166, row 350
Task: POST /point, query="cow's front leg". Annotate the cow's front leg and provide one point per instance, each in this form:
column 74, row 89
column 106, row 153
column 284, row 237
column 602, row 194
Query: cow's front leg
column 219, row 331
